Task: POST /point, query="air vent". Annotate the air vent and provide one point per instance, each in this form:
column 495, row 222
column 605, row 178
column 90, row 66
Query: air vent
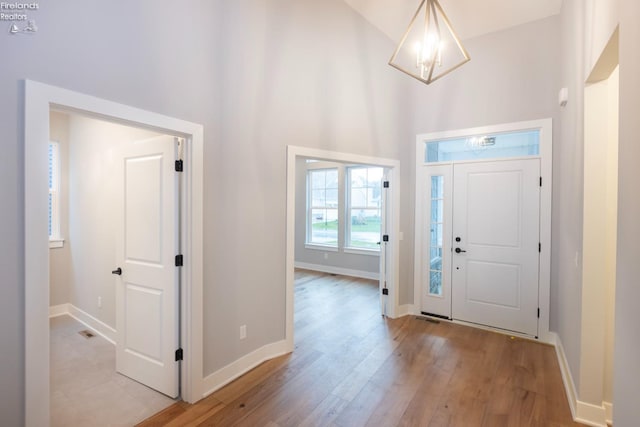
column 87, row 334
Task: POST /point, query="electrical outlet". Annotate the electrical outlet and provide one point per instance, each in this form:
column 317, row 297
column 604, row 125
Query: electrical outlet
column 243, row 332
column 326, row 255
column 99, row 302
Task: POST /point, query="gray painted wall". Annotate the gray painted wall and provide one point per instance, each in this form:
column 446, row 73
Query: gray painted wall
column 312, row 74
column 566, row 295
column 59, row 258
column 130, row 52
column 304, row 73
column 627, row 340
column 340, row 259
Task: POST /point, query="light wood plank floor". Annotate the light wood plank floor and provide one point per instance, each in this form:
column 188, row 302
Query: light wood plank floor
column 351, row 367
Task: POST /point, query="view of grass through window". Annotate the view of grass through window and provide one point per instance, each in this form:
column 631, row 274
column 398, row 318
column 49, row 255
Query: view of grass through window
column 323, row 199
column 365, row 202
column 361, row 203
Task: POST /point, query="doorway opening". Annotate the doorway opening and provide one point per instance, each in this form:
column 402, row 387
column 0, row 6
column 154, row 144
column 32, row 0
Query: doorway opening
column 599, row 237
column 39, row 100
column 483, row 227
column 340, row 223
column 364, row 229
column 90, row 183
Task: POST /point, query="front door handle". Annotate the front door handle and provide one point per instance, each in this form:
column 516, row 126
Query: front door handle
column 458, row 250
column 117, row 271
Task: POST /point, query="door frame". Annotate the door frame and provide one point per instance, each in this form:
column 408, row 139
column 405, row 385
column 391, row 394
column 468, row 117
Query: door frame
column 39, row 99
column 393, row 225
column 545, row 126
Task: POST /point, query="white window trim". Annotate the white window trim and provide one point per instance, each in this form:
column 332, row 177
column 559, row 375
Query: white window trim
column 344, row 203
column 361, row 251
column 319, row 247
column 321, row 166
column 55, row 239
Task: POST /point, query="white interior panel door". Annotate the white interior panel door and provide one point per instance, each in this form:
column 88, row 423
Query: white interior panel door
column 147, row 288
column 495, row 244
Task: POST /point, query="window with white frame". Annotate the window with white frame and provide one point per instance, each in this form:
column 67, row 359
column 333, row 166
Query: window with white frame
column 55, row 239
column 322, row 206
column 344, row 206
column 364, row 207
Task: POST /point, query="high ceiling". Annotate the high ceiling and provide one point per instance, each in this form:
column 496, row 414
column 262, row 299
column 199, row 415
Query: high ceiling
column 470, row 18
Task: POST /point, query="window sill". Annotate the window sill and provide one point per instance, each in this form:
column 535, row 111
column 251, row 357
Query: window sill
column 319, row 247
column 56, row 243
column 360, row 251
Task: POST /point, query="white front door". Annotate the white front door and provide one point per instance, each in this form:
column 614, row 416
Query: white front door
column 480, row 243
column 494, row 269
column 147, row 289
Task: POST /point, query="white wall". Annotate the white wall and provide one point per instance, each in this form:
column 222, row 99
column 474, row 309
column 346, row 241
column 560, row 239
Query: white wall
column 84, row 270
column 626, row 387
column 601, row 17
column 369, row 264
column 59, row 258
column 585, row 301
column 130, row 52
column 566, row 272
column 261, row 75
column 305, row 73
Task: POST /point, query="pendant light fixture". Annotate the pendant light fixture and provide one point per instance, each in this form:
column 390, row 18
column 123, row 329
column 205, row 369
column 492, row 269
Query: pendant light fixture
column 430, row 48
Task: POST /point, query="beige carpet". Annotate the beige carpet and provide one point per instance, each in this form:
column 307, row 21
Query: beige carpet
column 86, row 390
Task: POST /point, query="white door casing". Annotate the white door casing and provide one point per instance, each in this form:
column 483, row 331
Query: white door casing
column 384, row 231
column 147, row 292
column 494, row 277
column 39, row 99
column 426, row 164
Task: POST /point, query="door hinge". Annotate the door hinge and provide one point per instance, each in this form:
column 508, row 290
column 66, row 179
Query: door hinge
column 538, row 312
column 179, row 355
column 385, row 184
column 179, row 166
column 540, row 181
column 179, row 260
column 539, row 247
column 385, row 238
column 385, row 291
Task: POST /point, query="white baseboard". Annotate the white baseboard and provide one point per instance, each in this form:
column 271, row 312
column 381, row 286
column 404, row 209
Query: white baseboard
column 567, row 379
column 406, row 310
column 582, row 412
column 224, row 376
column 58, row 310
column 591, row 415
column 337, row 270
column 99, row 327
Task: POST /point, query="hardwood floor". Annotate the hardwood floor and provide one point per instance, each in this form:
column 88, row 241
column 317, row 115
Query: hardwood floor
column 352, row 367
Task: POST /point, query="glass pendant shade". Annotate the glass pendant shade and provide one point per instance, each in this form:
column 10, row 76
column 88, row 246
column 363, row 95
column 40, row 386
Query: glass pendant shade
column 430, row 48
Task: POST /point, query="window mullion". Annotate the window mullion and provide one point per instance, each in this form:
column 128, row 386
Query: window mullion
column 341, row 208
